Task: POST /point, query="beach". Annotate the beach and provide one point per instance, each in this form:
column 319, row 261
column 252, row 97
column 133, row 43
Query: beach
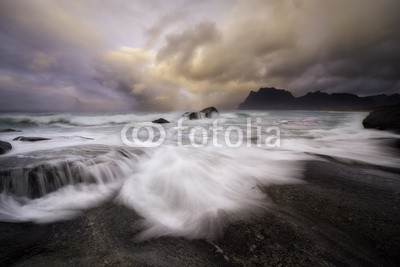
column 341, row 215
column 328, row 196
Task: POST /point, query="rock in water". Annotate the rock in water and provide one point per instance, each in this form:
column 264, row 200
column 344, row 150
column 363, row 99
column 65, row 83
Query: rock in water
column 387, row 118
column 209, row 111
column 9, row 130
column 30, row 139
column 204, row 113
column 193, row 116
column 160, row 120
column 4, row 147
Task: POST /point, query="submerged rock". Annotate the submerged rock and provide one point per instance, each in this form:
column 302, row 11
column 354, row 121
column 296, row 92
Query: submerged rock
column 204, row 113
column 30, row 139
column 4, row 147
column 387, row 118
column 160, row 120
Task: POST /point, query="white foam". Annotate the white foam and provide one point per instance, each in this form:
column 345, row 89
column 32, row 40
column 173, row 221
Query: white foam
column 348, row 141
column 193, row 192
column 64, row 204
column 84, row 119
column 186, row 191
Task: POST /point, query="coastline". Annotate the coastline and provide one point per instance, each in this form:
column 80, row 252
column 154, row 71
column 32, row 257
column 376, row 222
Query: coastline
column 342, row 215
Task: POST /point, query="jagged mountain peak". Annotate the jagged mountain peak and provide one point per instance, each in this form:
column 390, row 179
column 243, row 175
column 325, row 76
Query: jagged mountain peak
column 272, row 98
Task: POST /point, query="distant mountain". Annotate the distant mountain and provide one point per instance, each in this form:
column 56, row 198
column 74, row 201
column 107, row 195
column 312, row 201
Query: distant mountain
column 272, row 98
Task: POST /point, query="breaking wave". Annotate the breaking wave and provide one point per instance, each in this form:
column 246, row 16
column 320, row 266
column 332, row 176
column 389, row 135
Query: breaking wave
column 81, row 120
column 98, row 120
column 178, row 190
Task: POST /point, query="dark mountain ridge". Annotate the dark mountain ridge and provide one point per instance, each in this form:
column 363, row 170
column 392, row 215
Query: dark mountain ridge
column 272, row 98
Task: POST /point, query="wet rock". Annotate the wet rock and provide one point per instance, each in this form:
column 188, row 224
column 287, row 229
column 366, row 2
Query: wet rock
column 194, row 116
column 9, row 130
column 4, row 147
column 387, row 118
column 30, row 139
column 204, row 113
column 35, row 176
column 209, row 111
column 160, row 120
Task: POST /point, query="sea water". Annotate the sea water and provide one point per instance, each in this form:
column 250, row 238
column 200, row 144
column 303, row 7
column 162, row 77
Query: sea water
column 203, row 175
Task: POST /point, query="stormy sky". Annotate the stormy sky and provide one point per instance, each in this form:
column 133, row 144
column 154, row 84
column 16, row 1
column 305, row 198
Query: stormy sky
column 100, row 55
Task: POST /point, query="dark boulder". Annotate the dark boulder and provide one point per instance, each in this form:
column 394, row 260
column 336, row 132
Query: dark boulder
column 160, row 120
column 204, row 113
column 194, row 116
column 9, row 130
column 387, row 118
column 209, row 111
column 191, row 115
column 30, row 139
column 4, row 147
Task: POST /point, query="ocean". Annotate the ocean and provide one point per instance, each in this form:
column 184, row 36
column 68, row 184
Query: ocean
column 185, row 178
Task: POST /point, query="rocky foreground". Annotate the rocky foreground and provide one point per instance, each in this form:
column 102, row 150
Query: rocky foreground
column 342, row 215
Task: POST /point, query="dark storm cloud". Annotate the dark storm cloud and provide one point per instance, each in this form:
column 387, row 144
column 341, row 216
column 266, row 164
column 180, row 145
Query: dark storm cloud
column 181, row 47
column 350, row 46
column 189, row 54
column 155, row 32
column 354, row 45
column 41, row 47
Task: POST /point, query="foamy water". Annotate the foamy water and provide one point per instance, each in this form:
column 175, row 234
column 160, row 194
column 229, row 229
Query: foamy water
column 179, row 190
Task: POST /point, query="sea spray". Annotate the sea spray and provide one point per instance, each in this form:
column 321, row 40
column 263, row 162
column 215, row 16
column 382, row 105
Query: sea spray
column 179, row 190
column 191, row 192
column 51, row 188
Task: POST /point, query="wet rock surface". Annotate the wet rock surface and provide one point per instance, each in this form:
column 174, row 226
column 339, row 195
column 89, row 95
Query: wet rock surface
column 5, row 147
column 387, row 118
column 160, row 120
column 204, row 113
column 30, row 139
column 35, row 176
column 341, row 215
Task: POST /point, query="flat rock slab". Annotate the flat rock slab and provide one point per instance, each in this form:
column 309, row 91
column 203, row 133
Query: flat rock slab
column 30, row 139
column 160, row 120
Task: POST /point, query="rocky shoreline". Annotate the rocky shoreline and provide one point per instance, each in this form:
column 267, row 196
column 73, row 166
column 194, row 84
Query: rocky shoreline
column 342, row 215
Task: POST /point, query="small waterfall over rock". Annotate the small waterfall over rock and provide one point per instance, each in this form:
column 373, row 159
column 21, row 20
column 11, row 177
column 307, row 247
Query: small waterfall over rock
column 97, row 165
